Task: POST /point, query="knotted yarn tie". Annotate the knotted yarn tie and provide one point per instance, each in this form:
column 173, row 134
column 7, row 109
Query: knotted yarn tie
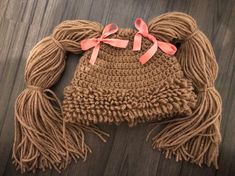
column 95, row 42
column 192, row 35
column 206, row 88
column 58, row 44
column 36, row 88
column 143, row 31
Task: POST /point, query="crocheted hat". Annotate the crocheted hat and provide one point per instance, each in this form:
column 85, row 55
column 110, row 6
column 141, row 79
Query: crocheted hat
column 119, row 88
column 125, row 75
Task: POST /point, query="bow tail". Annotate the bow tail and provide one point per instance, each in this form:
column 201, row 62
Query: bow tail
column 94, row 54
column 146, row 56
column 137, row 42
column 119, row 43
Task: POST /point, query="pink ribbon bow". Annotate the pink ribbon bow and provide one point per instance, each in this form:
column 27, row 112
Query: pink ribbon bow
column 143, row 31
column 95, row 42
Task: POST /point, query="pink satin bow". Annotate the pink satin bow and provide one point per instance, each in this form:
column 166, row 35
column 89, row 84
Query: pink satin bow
column 95, row 42
column 143, row 31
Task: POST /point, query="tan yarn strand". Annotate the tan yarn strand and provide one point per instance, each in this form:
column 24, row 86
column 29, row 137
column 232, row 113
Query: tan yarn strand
column 194, row 138
column 42, row 138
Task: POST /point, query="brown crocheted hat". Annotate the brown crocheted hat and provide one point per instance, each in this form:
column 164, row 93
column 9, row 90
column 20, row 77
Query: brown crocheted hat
column 119, row 88
column 114, row 84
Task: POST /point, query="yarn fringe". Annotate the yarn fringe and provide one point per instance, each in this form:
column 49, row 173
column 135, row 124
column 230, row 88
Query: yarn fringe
column 196, row 137
column 42, row 138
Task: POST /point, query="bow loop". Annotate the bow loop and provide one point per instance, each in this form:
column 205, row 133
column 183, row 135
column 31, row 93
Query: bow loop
column 95, row 42
column 167, row 48
column 109, row 30
column 141, row 26
column 143, row 31
column 88, row 43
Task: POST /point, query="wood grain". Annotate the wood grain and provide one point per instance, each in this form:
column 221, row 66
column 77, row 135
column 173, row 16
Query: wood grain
column 24, row 22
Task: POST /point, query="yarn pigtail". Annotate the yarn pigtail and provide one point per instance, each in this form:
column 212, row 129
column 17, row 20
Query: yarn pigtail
column 42, row 138
column 194, row 138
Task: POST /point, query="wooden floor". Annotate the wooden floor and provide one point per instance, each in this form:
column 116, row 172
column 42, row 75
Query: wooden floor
column 25, row 22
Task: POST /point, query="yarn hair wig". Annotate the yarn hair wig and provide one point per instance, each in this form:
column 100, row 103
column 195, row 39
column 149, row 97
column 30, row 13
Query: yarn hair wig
column 175, row 92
